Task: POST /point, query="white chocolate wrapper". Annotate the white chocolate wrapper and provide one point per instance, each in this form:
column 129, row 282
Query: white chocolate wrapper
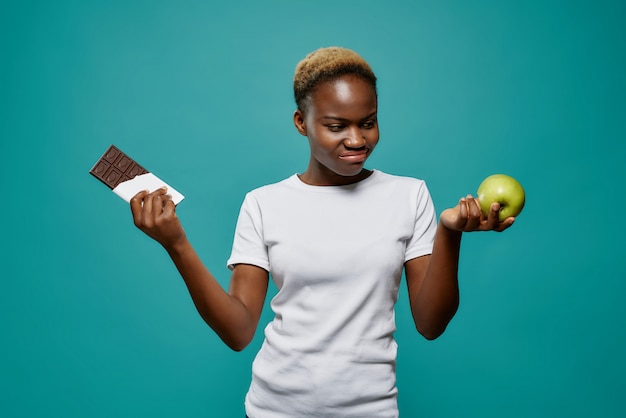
column 127, row 189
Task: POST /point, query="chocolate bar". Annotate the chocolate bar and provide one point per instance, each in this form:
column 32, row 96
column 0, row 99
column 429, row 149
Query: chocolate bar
column 115, row 167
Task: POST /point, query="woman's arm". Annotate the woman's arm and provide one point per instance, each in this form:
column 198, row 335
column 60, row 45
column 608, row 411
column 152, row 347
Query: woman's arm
column 233, row 315
column 432, row 280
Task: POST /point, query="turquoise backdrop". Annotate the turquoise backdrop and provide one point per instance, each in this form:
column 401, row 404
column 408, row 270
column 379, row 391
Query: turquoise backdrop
column 97, row 323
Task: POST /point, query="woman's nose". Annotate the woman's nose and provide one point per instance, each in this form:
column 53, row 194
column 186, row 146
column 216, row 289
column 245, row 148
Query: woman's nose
column 355, row 138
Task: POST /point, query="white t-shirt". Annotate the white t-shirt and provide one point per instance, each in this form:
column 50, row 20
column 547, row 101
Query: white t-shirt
column 336, row 254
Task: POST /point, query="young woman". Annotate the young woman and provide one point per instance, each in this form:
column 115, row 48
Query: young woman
column 335, row 239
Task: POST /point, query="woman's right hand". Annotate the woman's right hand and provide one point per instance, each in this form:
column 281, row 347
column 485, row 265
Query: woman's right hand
column 155, row 214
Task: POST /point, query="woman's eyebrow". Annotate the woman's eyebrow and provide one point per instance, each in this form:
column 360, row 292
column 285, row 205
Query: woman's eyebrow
column 337, row 118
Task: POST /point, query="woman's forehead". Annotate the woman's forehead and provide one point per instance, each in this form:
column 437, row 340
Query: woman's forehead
column 347, row 90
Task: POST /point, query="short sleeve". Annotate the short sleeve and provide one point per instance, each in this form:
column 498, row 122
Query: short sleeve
column 421, row 242
column 248, row 244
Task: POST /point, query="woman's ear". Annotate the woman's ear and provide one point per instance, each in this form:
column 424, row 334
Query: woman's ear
column 298, row 121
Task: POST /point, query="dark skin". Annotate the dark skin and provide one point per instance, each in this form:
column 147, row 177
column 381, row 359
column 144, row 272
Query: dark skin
column 342, row 129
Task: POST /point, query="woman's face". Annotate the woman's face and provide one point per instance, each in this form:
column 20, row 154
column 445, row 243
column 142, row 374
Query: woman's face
column 341, row 123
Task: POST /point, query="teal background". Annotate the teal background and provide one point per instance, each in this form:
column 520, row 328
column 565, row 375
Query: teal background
column 97, row 323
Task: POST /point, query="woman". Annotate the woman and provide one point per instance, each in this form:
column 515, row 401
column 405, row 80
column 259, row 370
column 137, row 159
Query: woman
column 335, row 240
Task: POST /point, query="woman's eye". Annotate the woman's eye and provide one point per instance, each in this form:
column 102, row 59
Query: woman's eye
column 335, row 128
column 369, row 124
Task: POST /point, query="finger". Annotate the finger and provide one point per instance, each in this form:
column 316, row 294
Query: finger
column 160, row 200
column 474, row 213
column 169, row 208
column 136, row 205
column 160, row 191
column 148, row 203
column 493, row 219
column 166, row 198
column 462, row 213
column 474, row 207
column 157, row 198
column 140, row 195
column 505, row 224
column 157, row 206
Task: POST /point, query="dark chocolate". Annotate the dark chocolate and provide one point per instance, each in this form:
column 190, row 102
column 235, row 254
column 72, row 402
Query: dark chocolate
column 115, row 167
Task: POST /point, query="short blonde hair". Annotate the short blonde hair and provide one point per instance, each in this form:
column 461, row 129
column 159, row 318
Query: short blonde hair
column 327, row 64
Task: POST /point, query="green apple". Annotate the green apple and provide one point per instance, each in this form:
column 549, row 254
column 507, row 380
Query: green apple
column 505, row 190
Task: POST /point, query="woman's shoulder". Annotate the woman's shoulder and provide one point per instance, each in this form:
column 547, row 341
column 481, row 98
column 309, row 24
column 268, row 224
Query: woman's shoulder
column 274, row 188
column 408, row 181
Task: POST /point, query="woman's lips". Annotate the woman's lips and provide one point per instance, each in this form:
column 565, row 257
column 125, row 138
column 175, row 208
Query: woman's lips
column 354, row 156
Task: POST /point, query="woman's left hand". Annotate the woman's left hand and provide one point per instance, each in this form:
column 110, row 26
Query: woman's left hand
column 467, row 217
